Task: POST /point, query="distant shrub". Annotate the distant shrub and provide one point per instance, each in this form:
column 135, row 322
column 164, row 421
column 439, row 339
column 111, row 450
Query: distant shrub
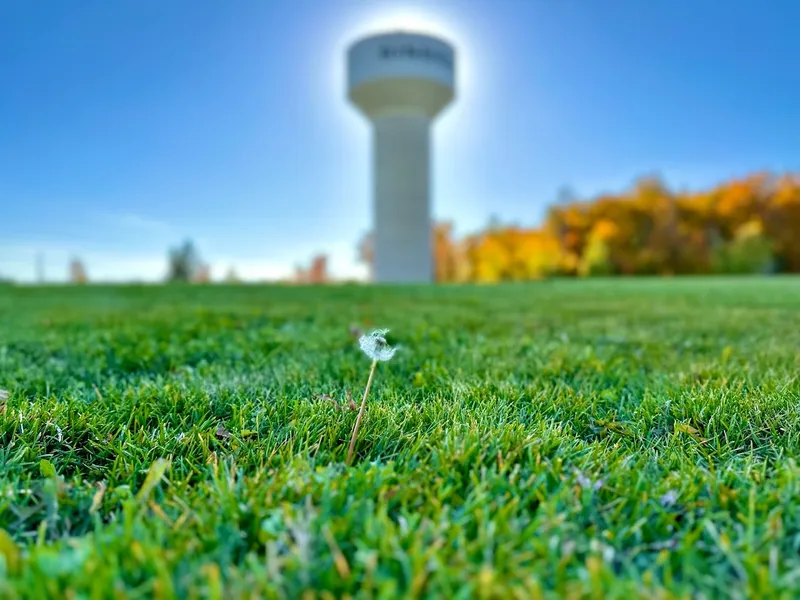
column 184, row 263
column 750, row 252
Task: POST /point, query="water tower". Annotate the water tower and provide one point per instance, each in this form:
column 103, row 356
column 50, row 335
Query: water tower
column 401, row 82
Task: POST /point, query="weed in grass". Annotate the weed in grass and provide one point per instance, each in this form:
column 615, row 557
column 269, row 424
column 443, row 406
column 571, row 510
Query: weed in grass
column 375, row 346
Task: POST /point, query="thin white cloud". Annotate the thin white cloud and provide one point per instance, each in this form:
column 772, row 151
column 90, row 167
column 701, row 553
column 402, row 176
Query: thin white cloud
column 139, row 222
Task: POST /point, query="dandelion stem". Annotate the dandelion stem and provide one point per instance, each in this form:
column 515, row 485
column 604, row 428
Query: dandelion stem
column 361, row 412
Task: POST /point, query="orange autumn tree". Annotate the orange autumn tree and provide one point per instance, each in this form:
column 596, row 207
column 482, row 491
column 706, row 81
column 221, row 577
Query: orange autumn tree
column 781, row 221
column 650, row 229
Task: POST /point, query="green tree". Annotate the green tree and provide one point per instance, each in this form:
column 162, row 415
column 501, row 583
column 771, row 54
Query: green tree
column 184, row 263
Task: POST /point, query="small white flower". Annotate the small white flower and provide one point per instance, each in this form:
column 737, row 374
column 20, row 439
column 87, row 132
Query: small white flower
column 375, row 346
column 583, row 480
column 669, row 499
column 3, row 395
column 587, row 483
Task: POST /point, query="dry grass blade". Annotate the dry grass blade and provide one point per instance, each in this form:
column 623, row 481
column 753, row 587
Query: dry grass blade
column 97, row 498
column 349, row 406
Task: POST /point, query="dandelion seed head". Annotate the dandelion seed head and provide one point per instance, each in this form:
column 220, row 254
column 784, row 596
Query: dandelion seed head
column 375, row 345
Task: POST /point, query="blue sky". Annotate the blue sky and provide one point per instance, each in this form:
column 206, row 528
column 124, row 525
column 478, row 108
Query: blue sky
column 129, row 125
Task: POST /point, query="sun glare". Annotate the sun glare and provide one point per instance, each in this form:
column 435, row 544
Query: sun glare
column 383, row 19
column 405, row 19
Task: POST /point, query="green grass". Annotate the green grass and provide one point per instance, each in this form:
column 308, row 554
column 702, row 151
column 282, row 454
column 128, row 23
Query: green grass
column 602, row 439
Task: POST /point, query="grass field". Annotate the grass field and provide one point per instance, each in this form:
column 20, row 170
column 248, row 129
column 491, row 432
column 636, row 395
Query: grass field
column 601, row 439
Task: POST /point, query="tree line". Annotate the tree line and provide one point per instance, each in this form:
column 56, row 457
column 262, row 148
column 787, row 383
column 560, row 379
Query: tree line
column 745, row 225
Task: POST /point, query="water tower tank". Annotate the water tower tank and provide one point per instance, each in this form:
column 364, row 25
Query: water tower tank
column 401, row 82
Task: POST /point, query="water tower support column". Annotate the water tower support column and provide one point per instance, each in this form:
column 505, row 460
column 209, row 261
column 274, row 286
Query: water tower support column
column 401, row 199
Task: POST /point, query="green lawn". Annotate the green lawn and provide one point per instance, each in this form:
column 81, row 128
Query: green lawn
column 602, row 439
